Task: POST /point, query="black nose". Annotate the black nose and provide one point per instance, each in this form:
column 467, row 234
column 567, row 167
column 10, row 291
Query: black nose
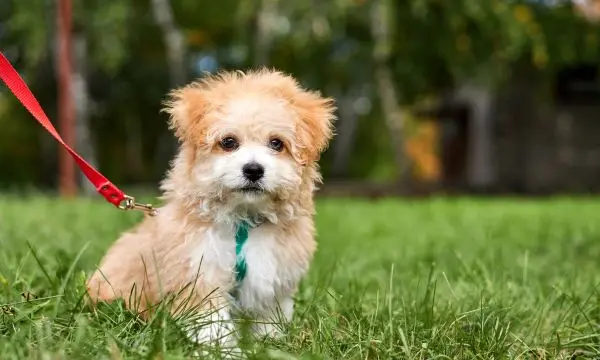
column 253, row 171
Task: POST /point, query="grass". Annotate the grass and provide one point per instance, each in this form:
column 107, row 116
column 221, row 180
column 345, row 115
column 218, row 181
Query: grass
column 435, row 279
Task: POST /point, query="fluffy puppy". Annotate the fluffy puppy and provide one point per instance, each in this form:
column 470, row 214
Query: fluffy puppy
column 249, row 145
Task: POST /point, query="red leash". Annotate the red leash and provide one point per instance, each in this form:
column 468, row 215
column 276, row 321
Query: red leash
column 111, row 193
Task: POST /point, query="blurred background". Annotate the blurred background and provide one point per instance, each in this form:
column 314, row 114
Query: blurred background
column 434, row 96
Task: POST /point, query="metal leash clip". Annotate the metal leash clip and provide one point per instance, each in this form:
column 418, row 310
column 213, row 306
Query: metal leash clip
column 130, row 204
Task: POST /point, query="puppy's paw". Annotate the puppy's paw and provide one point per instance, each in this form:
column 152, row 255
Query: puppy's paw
column 233, row 353
column 216, row 334
column 272, row 323
column 267, row 330
column 216, row 331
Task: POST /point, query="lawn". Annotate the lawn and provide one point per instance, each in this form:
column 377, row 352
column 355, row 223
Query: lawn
column 393, row 279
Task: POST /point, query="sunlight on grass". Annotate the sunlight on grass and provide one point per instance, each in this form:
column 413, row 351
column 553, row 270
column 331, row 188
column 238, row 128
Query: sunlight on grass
column 392, row 279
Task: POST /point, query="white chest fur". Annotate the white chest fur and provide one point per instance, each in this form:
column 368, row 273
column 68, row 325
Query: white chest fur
column 270, row 279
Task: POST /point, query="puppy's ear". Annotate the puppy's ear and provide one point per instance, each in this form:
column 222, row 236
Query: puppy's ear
column 187, row 108
column 315, row 127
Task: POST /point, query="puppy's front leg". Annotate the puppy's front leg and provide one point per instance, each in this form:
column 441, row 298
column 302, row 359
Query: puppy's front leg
column 270, row 323
column 214, row 328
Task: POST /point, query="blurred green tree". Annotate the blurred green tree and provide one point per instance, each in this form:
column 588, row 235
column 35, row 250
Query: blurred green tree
column 377, row 58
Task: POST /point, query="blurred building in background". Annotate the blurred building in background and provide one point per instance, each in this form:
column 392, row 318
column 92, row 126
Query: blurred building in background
column 516, row 141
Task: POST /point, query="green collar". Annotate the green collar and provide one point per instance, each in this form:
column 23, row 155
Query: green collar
column 241, row 236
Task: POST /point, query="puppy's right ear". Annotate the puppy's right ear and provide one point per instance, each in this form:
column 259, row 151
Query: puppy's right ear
column 187, row 108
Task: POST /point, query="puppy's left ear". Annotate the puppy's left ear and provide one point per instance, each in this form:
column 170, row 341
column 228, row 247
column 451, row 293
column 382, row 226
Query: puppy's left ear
column 315, row 128
column 187, row 107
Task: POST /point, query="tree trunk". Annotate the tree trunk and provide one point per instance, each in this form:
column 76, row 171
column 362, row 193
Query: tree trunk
column 267, row 11
column 176, row 49
column 346, row 133
column 388, row 95
column 82, row 105
column 46, row 69
column 134, row 148
column 480, row 172
column 173, row 39
column 66, row 114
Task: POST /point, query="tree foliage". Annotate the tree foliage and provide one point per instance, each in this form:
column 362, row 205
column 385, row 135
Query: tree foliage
column 434, row 45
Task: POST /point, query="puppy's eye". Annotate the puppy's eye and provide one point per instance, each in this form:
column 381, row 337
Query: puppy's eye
column 276, row 144
column 229, row 144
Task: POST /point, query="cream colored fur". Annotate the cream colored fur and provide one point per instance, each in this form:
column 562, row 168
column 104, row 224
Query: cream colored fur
column 189, row 247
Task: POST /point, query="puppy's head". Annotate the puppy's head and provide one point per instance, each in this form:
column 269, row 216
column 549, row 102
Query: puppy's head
column 248, row 138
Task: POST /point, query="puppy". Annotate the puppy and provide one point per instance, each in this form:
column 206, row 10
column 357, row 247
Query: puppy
column 236, row 229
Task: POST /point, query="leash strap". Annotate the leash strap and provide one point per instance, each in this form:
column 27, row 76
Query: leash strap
column 108, row 190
